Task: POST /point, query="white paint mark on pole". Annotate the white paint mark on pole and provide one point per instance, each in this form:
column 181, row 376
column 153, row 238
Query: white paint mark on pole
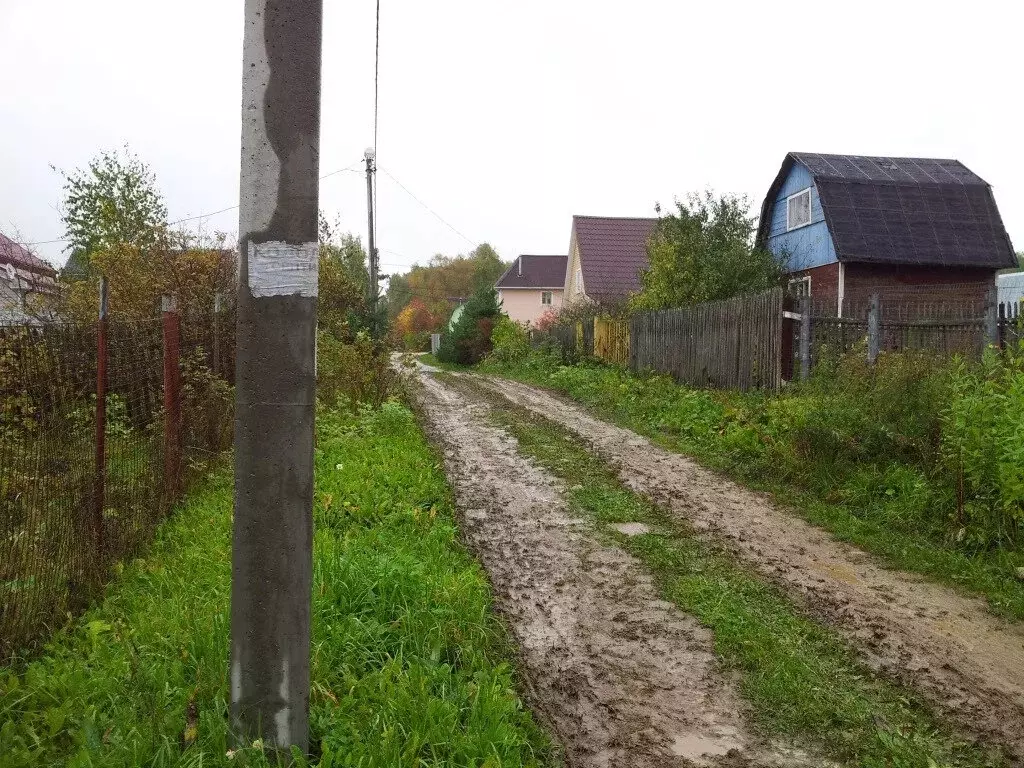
column 282, row 269
column 236, row 678
column 281, row 717
column 261, row 168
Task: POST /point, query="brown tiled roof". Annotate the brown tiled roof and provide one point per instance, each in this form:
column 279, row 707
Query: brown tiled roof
column 13, row 253
column 901, row 210
column 613, row 252
column 530, row 271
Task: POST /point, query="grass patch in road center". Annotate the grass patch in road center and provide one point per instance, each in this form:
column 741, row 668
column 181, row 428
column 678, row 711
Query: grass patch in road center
column 801, row 678
column 409, row 665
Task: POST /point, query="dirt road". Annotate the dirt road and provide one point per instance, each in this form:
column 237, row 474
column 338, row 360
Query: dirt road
column 624, row 678
column 969, row 663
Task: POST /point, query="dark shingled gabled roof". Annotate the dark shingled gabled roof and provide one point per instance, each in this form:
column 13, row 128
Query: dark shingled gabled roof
column 900, row 210
column 13, row 253
column 613, row 253
column 530, row 271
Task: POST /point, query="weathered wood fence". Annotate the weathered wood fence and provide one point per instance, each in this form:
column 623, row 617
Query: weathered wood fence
column 762, row 340
column 732, row 344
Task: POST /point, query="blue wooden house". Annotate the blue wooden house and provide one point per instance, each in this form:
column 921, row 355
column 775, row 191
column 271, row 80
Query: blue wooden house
column 850, row 226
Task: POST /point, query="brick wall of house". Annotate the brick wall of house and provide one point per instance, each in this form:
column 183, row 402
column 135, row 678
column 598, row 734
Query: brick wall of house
column 918, row 283
column 896, row 284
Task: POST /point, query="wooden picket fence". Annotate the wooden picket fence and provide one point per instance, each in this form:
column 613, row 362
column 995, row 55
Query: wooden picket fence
column 732, row 344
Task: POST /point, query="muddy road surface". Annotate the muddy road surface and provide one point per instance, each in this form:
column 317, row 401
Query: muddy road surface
column 622, row 677
column 949, row 647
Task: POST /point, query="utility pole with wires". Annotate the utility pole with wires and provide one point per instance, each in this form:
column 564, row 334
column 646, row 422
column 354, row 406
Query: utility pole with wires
column 272, row 552
column 374, row 289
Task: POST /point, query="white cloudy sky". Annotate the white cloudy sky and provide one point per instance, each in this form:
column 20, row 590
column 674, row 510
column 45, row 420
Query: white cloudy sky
column 508, row 118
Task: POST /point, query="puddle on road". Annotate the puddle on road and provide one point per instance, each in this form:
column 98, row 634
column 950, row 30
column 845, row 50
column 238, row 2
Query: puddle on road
column 692, row 746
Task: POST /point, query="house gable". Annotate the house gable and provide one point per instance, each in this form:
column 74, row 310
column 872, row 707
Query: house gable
column 574, row 289
column 805, row 247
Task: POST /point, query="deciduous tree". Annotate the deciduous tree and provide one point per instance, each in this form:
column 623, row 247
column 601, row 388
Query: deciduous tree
column 704, row 251
column 113, row 202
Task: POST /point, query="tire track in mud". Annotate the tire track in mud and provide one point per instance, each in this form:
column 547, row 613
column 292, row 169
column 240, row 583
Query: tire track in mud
column 624, row 678
column 967, row 662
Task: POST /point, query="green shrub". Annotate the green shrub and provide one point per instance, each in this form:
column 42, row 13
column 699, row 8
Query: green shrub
column 351, row 373
column 983, row 449
column 510, row 340
column 469, row 341
column 882, row 413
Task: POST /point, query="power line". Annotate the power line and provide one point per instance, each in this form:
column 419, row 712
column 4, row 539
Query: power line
column 350, row 168
column 376, row 76
column 431, row 210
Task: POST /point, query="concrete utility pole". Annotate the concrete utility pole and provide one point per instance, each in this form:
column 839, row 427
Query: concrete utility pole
column 370, row 156
column 275, row 375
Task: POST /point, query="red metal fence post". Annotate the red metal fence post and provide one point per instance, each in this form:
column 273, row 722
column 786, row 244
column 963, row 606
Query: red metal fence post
column 99, row 485
column 172, row 399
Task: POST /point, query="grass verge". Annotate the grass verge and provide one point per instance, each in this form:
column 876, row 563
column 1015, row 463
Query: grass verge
column 877, row 508
column 410, row 668
column 802, row 680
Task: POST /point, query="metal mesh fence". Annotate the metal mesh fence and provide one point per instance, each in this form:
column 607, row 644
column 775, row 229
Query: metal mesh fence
column 82, row 486
column 940, row 322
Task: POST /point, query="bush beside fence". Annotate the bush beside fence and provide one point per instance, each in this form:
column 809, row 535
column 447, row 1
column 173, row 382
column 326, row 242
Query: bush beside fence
column 83, row 487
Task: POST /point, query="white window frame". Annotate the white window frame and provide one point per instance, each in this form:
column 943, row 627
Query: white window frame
column 579, row 280
column 806, row 279
column 810, row 209
column 550, row 298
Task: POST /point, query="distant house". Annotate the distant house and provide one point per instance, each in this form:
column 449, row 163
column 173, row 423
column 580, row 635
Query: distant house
column 851, row 226
column 26, row 284
column 1010, row 288
column 531, row 286
column 606, row 257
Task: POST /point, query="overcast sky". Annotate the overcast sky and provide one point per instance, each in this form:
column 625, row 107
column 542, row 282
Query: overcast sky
column 506, row 119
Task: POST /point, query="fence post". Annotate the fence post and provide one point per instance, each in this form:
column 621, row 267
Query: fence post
column 991, row 318
column 805, row 338
column 99, row 478
column 172, row 399
column 874, row 328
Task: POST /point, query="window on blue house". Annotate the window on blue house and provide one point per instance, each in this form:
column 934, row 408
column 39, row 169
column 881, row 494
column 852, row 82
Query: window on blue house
column 798, row 210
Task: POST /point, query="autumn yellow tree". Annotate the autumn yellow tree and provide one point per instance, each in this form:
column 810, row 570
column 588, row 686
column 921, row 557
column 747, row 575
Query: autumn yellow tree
column 138, row 276
column 414, row 325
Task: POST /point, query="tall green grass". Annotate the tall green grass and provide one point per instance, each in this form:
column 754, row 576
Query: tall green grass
column 409, row 666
